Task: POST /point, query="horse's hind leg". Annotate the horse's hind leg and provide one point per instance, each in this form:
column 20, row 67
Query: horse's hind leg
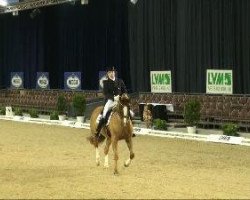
column 132, row 155
column 114, row 146
column 106, row 151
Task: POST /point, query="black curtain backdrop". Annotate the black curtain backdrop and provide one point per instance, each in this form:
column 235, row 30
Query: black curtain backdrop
column 188, row 37
column 68, row 37
column 184, row 36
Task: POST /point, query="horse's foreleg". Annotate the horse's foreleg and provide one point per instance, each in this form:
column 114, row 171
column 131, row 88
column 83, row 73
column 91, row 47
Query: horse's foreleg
column 106, row 151
column 114, row 146
column 97, row 156
column 132, row 155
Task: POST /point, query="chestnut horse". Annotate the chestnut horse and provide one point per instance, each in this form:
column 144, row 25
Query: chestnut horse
column 119, row 128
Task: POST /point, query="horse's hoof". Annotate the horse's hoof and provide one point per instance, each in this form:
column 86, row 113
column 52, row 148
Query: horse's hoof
column 97, row 163
column 126, row 165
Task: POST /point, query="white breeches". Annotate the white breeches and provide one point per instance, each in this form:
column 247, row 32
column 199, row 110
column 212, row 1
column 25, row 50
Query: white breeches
column 109, row 104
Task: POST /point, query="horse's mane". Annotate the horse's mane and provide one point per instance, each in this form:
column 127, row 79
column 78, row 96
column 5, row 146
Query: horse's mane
column 124, row 100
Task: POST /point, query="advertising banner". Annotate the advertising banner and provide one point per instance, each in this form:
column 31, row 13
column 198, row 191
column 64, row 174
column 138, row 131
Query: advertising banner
column 16, row 80
column 42, row 80
column 219, row 81
column 72, row 80
column 161, row 81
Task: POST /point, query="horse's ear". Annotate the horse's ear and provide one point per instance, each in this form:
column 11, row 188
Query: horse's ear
column 127, row 96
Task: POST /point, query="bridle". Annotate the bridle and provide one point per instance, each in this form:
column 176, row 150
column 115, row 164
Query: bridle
column 125, row 109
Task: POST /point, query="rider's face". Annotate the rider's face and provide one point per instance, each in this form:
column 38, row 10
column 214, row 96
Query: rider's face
column 111, row 74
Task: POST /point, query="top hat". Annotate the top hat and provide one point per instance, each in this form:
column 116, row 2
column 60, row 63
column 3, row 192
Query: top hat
column 110, row 68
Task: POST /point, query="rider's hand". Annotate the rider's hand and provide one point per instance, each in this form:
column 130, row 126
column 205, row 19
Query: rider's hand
column 116, row 98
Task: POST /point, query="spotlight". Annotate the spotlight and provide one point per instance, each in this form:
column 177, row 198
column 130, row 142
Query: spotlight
column 84, row 2
column 3, row 3
column 133, row 1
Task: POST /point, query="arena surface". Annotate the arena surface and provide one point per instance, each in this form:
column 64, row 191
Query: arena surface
column 49, row 162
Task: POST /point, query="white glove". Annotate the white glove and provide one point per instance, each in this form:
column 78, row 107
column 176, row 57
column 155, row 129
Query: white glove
column 116, row 98
column 132, row 114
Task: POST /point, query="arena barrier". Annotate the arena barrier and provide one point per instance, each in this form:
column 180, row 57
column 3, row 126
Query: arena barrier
column 138, row 131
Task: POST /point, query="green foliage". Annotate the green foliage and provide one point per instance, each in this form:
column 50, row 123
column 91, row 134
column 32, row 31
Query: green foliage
column 79, row 104
column 54, row 115
column 230, row 129
column 2, row 111
column 61, row 105
column 160, row 124
column 18, row 112
column 192, row 112
column 33, row 113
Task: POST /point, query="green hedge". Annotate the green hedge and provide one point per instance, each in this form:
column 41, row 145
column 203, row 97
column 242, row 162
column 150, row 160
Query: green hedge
column 160, row 124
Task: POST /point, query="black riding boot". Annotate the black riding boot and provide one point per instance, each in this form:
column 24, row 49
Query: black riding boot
column 99, row 127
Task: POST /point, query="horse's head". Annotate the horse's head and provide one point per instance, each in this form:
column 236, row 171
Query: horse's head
column 124, row 102
column 124, row 99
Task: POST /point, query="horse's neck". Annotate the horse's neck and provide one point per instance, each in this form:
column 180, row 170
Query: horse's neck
column 118, row 109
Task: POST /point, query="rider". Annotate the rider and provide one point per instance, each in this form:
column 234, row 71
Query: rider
column 112, row 88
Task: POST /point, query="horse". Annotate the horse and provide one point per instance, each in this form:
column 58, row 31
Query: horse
column 119, row 128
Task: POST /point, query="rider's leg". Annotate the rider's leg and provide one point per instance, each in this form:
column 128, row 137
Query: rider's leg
column 109, row 104
column 99, row 117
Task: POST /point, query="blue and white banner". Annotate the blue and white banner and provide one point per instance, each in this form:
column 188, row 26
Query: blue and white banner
column 72, row 80
column 42, row 80
column 102, row 77
column 16, row 80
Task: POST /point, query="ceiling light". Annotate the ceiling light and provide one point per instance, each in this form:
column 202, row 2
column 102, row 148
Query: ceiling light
column 84, row 2
column 133, row 1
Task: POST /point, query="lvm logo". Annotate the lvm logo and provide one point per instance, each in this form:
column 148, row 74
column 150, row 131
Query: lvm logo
column 161, row 81
column 219, row 78
column 160, row 78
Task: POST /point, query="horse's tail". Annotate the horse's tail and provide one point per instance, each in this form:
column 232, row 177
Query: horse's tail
column 95, row 141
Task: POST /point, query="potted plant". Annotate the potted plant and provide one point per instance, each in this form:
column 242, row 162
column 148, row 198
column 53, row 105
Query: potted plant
column 230, row 129
column 61, row 107
column 33, row 113
column 160, row 124
column 54, row 115
column 2, row 111
column 18, row 112
column 192, row 114
column 79, row 105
